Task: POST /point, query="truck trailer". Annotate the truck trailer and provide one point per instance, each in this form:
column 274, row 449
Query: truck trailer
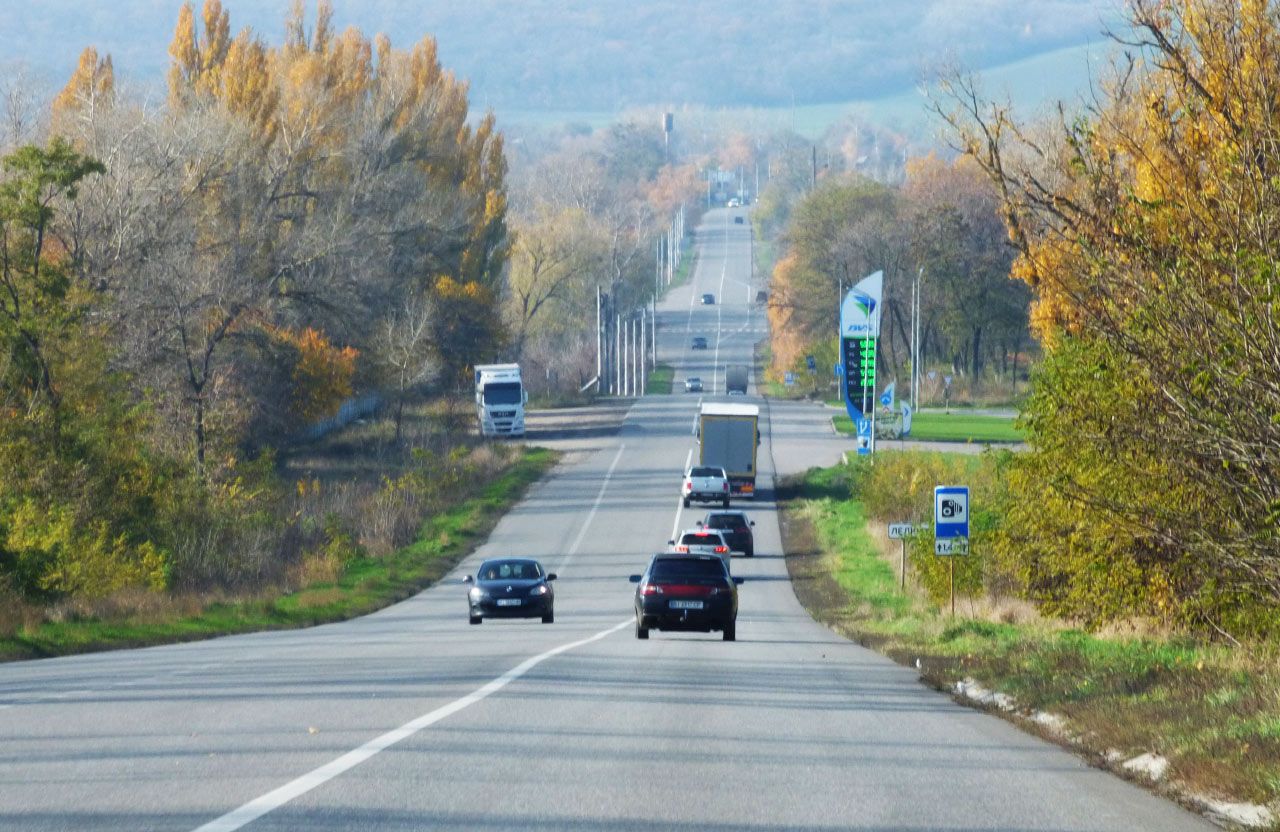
column 500, row 400
column 728, row 436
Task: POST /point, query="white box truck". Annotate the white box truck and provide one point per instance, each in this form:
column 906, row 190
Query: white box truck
column 728, row 436
column 500, row 399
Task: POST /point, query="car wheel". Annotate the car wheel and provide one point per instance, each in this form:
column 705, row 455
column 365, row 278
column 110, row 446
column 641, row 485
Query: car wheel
column 475, row 619
column 641, row 632
column 731, row 631
column 686, row 502
column 549, row 617
column 751, row 551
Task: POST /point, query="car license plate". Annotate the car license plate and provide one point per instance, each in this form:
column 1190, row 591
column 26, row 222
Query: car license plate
column 686, row 605
column 508, row 602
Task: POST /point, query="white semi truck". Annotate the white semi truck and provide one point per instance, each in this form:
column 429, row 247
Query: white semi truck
column 728, row 436
column 500, row 399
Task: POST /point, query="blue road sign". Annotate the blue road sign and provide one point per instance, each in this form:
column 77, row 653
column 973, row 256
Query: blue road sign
column 790, row 378
column 951, row 512
column 864, row 436
column 810, row 363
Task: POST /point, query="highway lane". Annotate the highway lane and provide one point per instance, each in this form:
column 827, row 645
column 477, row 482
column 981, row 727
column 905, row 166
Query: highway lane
column 791, row 727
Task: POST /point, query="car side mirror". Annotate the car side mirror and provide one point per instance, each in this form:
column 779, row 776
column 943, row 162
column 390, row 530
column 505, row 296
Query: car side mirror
column 551, row 576
column 753, row 522
column 635, row 579
column 671, row 543
column 739, row 581
column 699, row 524
column 468, row 580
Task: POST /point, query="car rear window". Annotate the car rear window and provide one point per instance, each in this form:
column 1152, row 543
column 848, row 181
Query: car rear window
column 725, row 521
column 701, row 540
column 704, row 471
column 669, row 568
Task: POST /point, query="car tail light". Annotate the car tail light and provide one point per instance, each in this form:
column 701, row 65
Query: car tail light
column 650, row 589
column 726, row 486
column 688, row 486
column 684, row 550
column 720, row 550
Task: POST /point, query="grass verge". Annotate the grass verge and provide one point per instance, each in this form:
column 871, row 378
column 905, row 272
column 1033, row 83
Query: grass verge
column 688, row 262
column 366, row 584
column 950, row 427
column 1213, row 711
column 660, row 380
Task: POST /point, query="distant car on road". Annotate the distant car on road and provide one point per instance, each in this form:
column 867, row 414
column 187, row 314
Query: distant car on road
column 511, row 588
column 693, row 384
column 762, row 296
column 686, row 592
column 735, row 202
column 702, row 542
column 699, row 343
column 708, row 299
column 735, row 526
column 737, row 220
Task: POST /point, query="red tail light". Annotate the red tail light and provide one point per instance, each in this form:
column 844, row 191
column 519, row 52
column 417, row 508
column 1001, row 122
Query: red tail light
column 688, row 486
column 726, row 486
column 684, row 550
column 720, row 550
column 650, row 589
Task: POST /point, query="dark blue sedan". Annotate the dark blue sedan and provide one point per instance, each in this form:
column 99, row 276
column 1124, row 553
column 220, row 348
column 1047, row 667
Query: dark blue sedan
column 511, row 588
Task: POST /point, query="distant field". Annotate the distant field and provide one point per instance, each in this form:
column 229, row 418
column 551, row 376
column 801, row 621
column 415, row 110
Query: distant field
column 954, row 427
column 1062, row 74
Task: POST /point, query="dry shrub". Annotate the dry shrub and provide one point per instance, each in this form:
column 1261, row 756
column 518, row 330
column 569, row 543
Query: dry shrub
column 16, row 615
column 318, row 568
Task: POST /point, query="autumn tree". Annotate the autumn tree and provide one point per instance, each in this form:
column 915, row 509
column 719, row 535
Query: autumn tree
column 1146, row 225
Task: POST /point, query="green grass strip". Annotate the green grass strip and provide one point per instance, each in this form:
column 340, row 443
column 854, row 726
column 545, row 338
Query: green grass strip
column 1213, row 710
column 661, row 379
column 367, row 584
column 952, row 427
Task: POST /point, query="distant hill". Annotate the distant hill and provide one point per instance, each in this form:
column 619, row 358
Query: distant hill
column 609, row 54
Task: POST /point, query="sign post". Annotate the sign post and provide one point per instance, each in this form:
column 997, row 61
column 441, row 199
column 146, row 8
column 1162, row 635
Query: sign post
column 951, row 527
column 900, row 532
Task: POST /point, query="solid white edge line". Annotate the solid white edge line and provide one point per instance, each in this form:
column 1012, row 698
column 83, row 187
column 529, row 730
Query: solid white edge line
column 591, row 515
column 276, row 798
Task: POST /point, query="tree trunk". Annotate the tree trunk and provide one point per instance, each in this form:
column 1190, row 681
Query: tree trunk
column 200, row 438
column 977, row 352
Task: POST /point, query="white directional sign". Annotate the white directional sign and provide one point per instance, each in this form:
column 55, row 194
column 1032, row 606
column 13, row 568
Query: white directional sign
column 951, row 546
column 897, row 531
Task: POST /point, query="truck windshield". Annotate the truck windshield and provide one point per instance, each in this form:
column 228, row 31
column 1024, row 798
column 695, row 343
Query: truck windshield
column 502, row 392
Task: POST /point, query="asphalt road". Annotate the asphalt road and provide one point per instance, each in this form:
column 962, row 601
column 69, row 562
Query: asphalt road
column 411, row 719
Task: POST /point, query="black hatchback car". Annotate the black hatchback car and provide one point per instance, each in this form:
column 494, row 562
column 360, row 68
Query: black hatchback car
column 686, row 592
column 736, row 529
column 511, row 588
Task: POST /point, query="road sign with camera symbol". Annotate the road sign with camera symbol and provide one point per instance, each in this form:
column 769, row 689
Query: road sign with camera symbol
column 951, row 519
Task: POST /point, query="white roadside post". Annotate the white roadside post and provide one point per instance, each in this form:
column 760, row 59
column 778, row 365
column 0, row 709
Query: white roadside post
column 900, row 532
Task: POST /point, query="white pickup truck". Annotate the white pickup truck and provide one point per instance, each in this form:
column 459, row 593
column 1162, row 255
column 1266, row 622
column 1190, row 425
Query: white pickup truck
column 705, row 484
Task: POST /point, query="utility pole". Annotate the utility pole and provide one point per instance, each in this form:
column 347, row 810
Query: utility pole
column 617, row 353
column 813, row 168
column 599, row 345
column 643, row 363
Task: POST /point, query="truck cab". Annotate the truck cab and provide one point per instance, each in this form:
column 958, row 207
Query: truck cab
column 500, row 399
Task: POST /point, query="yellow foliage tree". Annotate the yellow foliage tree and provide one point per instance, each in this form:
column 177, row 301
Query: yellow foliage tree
column 92, row 85
column 323, row 374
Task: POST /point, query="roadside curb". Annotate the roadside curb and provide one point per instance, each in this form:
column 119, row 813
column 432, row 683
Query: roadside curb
column 1146, row 767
